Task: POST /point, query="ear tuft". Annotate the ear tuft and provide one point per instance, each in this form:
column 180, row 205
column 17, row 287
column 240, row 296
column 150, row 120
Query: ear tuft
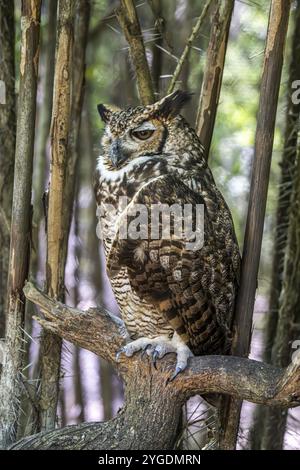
column 172, row 104
column 104, row 113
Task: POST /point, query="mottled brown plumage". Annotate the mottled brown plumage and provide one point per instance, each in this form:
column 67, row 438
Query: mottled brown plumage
column 152, row 156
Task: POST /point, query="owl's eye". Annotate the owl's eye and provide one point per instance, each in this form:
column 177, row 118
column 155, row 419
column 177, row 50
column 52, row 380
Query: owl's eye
column 143, row 134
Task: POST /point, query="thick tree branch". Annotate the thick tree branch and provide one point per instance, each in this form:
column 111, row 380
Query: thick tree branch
column 102, row 333
column 146, row 388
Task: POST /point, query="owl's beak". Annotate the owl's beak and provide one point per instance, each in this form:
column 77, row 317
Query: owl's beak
column 116, row 154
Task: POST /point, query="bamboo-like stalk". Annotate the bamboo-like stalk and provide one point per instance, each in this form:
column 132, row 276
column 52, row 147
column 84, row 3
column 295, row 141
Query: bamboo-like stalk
column 129, row 22
column 189, row 43
column 213, row 73
column 56, row 233
column 11, row 378
column 273, row 61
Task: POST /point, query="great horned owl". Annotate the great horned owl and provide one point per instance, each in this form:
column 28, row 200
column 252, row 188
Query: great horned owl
column 173, row 298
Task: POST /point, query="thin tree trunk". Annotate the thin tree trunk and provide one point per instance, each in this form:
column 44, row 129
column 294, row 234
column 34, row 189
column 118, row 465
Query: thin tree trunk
column 47, row 59
column 39, row 175
column 287, row 166
column 77, row 383
column 129, row 22
column 11, row 380
column 62, row 405
column 81, row 28
column 213, row 73
column 273, row 61
column 56, row 235
column 7, row 141
column 157, row 61
column 288, row 317
column 285, row 285
column 106, row 372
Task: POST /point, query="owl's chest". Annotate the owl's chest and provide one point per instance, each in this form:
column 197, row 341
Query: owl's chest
column 141, row 317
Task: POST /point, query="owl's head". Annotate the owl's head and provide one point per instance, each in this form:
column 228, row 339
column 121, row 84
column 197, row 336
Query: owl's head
column 143, row 130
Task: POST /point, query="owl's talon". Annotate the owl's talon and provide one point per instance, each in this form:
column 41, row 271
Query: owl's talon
column 118, row 353
column 175, row 373
column 145, row 349
column 155, row 355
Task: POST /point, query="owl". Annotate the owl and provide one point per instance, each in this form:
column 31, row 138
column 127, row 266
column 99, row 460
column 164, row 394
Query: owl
column 170, row 246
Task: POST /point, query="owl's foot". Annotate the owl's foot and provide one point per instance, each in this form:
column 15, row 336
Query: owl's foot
column 157, row 348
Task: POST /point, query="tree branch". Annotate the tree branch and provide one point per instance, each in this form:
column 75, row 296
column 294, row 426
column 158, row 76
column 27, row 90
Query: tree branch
column 147, row 387
column 188, row 46
column 103, row 333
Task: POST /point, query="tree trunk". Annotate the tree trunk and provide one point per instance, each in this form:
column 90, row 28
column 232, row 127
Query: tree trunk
column 273, row 61
column 287, row 166
column 7, row 141
column 213, row 73
column 56, row 235
column 11, row 379
column 47, row 59
column 129, row 22
column 39, row 175
column 288, row 316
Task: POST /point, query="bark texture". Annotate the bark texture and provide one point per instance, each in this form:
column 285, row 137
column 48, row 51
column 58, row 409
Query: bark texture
column 7, row 141
column 47, row 79
column 129, row 22
column 11, row 379
column 148, row 388
column 273, row 61
column 288, row 317
column 213, row 73
column 287, row 167
column 56, row 233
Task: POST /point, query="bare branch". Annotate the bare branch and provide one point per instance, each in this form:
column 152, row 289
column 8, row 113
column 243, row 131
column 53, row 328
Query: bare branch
column 96, row 32
column 188, row 46
column 103, row 333
column 96, row 329
column 147, row 387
